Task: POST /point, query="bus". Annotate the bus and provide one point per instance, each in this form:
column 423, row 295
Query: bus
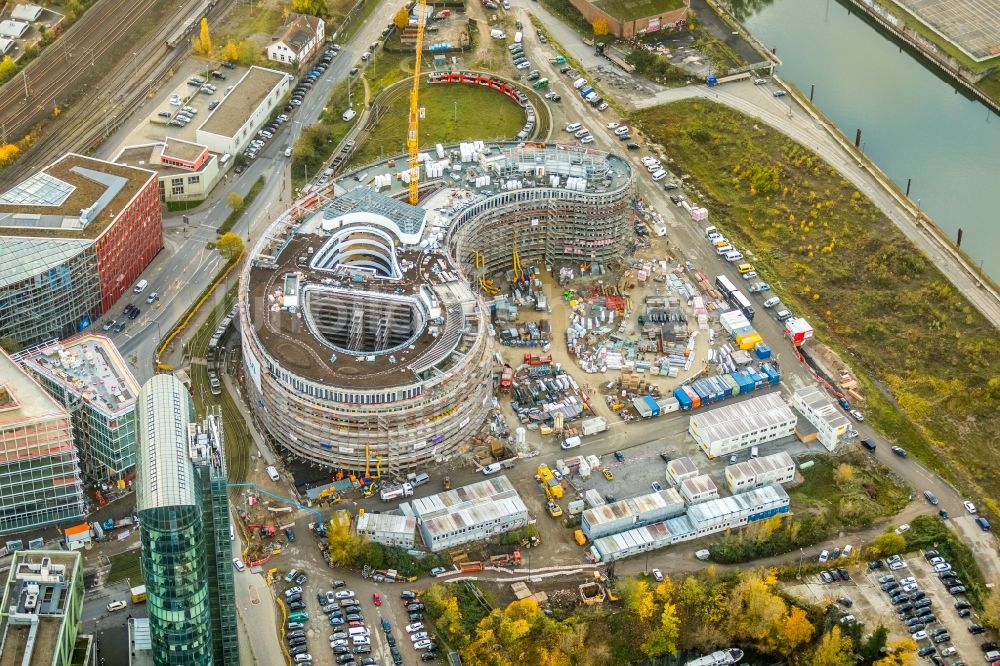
column 740, row 301
column 724, row 285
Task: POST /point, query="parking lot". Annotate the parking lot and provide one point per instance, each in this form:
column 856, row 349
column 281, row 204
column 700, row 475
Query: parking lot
column 911, row 598
column 303, row 555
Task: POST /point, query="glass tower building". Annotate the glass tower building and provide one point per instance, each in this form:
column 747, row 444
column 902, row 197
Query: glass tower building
column 183, row 511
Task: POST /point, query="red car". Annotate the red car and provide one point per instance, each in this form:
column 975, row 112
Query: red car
column 376, row 599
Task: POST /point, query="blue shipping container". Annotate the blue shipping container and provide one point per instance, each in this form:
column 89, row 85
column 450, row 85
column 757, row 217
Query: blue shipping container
column 724, row 388
column 702, row 393
column 648, row 399
column 682, row 399
column 762, row 350
column 773, row 375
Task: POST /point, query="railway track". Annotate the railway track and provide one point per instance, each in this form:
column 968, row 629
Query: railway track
column 106, row 96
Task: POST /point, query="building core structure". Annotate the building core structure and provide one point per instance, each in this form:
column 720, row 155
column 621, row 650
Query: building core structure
column 364, row 333
column 183, row 509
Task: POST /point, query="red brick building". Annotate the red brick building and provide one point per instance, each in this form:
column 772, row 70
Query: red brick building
column 628, row 27
column 74, row 238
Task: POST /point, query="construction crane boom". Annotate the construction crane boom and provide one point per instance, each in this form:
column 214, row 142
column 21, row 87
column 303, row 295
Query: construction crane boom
column 412, row 140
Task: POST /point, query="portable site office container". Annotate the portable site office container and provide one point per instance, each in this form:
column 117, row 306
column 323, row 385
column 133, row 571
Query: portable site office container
column 682, row 399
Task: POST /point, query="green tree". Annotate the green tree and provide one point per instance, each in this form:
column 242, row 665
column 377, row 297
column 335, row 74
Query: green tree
column 314, row 7
column 10, row 345
column 888, row 543
column 870, row 649
column 230, row 246
column 402, row 18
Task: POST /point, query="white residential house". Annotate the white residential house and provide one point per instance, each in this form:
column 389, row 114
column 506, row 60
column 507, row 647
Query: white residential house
column 298, row 40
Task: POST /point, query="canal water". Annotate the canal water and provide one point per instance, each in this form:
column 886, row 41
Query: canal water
column 914, row 124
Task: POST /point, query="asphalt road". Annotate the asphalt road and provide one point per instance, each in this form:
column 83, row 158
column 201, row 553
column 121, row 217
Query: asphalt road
column 185, row 267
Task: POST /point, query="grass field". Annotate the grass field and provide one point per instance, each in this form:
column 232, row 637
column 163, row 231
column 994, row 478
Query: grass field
column 867, row 496
column 453, row 113
column 636, row 9
column 869, row 294
column 126, row 565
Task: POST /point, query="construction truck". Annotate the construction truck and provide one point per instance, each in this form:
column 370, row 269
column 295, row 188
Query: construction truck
column 138, row 594
column 506, row 558
column 467, row 567
column 580, row 537
column 395, row 492
column 506, row 379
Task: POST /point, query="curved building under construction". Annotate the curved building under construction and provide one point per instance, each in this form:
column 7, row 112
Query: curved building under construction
column 365, row 334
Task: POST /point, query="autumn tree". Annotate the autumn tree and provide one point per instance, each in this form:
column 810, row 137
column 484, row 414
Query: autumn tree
column 7, row 68
column 888, row 543
column 663, row 638
column 794, row 631
column 443, row 605
column 402, row 18
column 203, row 42
column 343, row 543
column 8, row 153
column 515, row 635
column 900, row 653
column 230, row 246
column 991, row 608
column 833, row 650
column 754, row 609
column 600, row 27
column 231, row 51
column 314, row 7
column 843, row 475
column 235, row 200
column 638, row 598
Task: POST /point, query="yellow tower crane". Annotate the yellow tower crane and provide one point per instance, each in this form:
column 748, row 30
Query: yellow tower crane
column 412, row 140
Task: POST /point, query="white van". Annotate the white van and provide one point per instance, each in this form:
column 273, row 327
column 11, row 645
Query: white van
column 579, row 83
column 349, row 114
column 735, row 255
column 723, row 249
column 771, row 302
column 492, row 469
column 518, row 37
column 782, row 315
column 661, row 229
column 358, row 631
column 571, row 442
column 498, row 34
column 272, row 473
column 573, row 127
column 660, row 175
column 754, row 452
column 140, row 286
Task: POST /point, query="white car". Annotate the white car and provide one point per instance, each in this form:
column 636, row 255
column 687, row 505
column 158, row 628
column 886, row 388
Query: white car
column 420, row 645
column 649, row 159
column 304, row 657
column 920, row 635
column 912, row 587
column 602, row 106
column 345, row 594
column 116, row 606
column 175, row 101
column 612, row 125
column 896, row 566
column 824, row 556
column 338, row 642
column 293, row 590
column 909, row 580
column 238, row 563
column 941, row 567
column 905, row 527
column 857, row 415
column 587, row 139
column 419, row 636
column 573, row 127
column 948, row 651
column 969, row 506
column 524, row 65
column 657, row 575
column 416, row 626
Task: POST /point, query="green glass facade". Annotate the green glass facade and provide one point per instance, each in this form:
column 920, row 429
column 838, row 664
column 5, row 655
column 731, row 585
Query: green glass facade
column 177, row 590
column 184, row 512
